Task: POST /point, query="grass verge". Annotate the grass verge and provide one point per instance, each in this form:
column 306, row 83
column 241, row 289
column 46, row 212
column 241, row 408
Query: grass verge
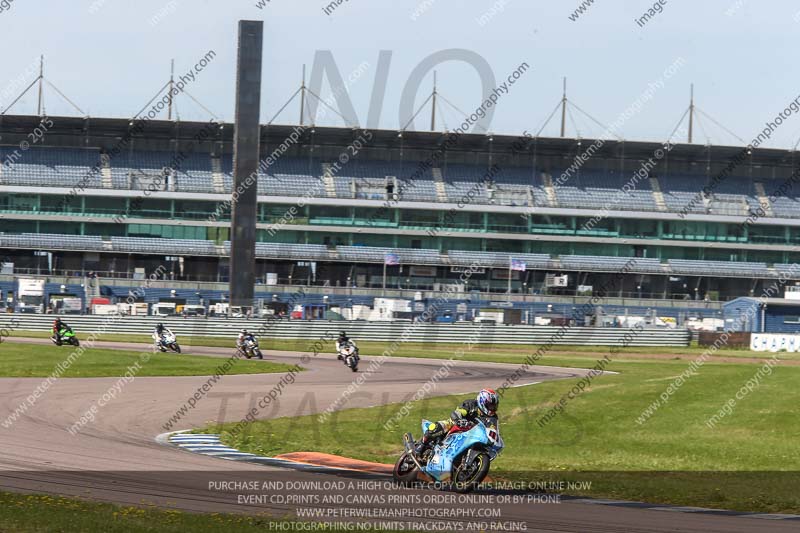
column 748, row 462
column 39, row 513
column 29, row 360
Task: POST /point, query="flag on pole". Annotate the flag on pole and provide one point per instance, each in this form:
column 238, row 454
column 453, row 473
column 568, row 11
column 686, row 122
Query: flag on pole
column 518, row 264
column 391, row 259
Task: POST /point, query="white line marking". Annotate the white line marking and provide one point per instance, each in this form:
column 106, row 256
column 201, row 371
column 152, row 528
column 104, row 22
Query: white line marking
column 685, row 509
column 199, row 448
column 772, row 516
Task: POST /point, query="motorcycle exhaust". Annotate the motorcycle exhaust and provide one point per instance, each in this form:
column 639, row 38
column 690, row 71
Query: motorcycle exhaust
column 408, row 441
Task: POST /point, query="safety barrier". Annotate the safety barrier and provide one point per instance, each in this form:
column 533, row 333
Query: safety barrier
column 373, row 331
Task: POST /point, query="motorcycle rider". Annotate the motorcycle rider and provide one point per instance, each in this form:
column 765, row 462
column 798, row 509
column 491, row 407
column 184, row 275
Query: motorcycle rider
column 58, row 326
column 340, row 343
column 158, row 335
column 464, row 416
column 244, row 335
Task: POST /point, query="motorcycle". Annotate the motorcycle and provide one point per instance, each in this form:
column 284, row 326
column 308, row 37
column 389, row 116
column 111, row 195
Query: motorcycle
column 250, row 348
column 169, row 341
column 348, row 352
column 462, row 458
column 66, row 336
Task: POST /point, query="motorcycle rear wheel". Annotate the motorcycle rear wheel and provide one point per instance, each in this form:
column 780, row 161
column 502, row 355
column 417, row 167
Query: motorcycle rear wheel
column 405, row 471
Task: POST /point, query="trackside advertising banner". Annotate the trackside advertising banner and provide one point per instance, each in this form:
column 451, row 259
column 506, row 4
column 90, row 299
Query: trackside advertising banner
column 774, row 342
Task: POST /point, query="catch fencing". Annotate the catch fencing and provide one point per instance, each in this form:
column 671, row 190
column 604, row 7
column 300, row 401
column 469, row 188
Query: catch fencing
column 367, row 331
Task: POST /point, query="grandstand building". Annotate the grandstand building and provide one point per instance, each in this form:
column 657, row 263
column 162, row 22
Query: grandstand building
column 400, row 210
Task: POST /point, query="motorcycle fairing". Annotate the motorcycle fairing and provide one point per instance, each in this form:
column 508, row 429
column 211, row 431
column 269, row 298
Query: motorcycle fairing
column 441, row 464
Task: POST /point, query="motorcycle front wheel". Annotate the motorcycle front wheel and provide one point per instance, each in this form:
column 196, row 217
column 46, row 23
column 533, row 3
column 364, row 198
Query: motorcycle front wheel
column 405, row 471
column 466, row 477
column 74, row 341
column 176, row 347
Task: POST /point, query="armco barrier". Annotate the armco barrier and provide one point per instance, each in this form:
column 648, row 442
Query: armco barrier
column 374, row 331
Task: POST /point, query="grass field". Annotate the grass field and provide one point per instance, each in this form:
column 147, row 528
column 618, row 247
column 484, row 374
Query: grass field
column 749, row 461
column 29, row 360
column 37, row 513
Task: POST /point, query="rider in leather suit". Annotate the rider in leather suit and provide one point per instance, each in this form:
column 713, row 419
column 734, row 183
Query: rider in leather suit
column 464, row 416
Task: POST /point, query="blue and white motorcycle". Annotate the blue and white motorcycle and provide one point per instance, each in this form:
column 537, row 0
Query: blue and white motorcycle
column 462, row 459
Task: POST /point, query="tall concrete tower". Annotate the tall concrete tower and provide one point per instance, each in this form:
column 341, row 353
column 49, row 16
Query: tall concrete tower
column 246, row 140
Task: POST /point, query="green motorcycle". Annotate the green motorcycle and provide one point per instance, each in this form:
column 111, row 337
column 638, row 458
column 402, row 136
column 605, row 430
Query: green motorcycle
column 65, row 336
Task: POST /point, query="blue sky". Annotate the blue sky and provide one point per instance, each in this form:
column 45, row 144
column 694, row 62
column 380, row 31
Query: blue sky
column 111, row 58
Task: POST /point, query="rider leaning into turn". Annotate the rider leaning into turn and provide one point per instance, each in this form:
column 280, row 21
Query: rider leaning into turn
column 243, row 336
column 464, row 416
column 59, row 325
column 159, row 332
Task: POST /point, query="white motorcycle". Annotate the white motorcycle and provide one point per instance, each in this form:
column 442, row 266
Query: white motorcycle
column 348, row 352
column 169, row 341
column 251, row 349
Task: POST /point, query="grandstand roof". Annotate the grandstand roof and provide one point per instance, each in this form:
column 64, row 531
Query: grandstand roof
column 105, row 132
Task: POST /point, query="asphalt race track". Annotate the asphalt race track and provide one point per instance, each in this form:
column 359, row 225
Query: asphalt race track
column 117, row 459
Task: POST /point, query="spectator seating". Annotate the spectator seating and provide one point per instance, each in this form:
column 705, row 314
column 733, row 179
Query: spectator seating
column 50, row 167
column 293, row 176
column 718, row 268
column 51, row 241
